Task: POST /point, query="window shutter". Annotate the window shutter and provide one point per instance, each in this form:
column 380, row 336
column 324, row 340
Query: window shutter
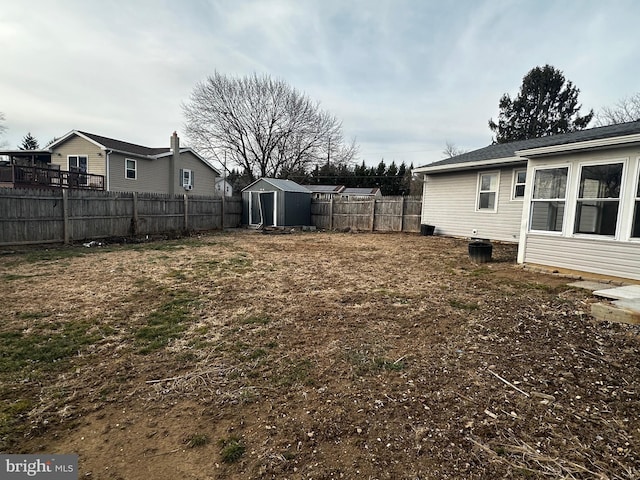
column 181, row 177
column 193, row 176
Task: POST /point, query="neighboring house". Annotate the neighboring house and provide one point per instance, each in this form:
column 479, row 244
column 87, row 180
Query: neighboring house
column 88, row 161
column 324, row 191
column 374, row 192
column 571, row 201
column 272, row 202
column 222, row 184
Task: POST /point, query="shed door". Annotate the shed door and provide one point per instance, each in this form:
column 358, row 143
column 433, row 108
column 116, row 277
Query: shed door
column 254, row 210
column 267, row 202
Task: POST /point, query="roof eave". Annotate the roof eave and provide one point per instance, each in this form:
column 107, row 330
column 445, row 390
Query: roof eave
column 456, row 167
column 578, row 146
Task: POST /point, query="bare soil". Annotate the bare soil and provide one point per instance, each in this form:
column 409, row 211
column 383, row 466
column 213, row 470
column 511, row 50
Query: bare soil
column 312, row 355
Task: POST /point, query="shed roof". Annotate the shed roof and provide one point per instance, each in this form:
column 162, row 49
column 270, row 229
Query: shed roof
column 360, row 191
column 508, row 150
column 324, row 188
column 280, row 184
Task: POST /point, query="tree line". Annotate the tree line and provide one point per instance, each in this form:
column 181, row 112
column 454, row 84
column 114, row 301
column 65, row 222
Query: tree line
column 390, row 179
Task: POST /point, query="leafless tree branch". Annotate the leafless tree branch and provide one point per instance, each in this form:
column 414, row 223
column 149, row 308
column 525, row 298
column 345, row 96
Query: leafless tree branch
column 262, row 125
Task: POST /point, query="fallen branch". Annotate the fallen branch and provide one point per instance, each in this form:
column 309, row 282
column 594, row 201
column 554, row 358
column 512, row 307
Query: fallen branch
column 507, row 382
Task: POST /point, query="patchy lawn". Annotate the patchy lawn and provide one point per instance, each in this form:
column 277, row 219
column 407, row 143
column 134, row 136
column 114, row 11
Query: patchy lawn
column 312, row 355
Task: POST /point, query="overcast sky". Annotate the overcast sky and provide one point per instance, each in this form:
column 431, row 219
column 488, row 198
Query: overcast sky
column 404, row 76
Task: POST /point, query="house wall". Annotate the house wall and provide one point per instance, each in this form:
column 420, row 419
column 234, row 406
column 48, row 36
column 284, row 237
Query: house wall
column 204, row 176
column 152, row 175
column 76, row 145
column 449, row 203
column 616, row 259
column 617, row 255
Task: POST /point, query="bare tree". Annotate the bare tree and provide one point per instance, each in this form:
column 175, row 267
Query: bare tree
column 626, row 109
column 262, row 125
column 450, row 150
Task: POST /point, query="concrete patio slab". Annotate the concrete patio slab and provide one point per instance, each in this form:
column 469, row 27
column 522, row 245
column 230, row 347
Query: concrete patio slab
column 628, row 292
column 590, row 285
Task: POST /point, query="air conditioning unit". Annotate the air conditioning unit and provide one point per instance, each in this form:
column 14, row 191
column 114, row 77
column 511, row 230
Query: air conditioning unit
column 188, row 187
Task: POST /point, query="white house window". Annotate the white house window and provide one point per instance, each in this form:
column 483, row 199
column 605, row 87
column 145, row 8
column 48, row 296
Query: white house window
column 635, row 231
column 130, row 169
column 187, row 179
column 78, row 164
column 488, row 191
column 519, row 181
column 548, row 201
column 598, row 199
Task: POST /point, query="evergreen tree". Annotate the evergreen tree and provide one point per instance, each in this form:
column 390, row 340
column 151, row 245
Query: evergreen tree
column 547, row 104
column 29, row 143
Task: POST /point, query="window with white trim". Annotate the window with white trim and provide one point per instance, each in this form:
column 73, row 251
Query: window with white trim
column 548, row 199
column 635, row 230
column 187, row 178
column 598, row 199
column 130, row 169
column 519, row 181
column 488, row 191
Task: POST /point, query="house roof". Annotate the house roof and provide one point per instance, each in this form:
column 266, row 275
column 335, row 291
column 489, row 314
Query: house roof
column 324, row 188
column 128, row 148
column 509, row 152
column 280, row 184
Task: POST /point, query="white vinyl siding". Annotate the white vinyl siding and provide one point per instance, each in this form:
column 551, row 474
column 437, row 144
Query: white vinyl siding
column 588, row 251
column 450, row 200
column 617, row 259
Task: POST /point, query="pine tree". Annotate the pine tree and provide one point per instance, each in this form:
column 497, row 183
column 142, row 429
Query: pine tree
column 29, row 143
column 547, row 104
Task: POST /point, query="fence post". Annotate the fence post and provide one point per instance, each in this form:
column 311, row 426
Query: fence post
column 331, row 213
column 373, row 213
column 65, row 216
column 134, row 222
column 186, row 213
column 401, row 214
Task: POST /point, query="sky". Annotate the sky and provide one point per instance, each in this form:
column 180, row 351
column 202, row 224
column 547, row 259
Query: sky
column 403, row 76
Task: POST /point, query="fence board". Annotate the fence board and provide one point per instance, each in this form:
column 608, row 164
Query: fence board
column 31, row 216
column 391, row 214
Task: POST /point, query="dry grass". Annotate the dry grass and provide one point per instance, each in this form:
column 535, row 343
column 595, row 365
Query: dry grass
column 319, row 355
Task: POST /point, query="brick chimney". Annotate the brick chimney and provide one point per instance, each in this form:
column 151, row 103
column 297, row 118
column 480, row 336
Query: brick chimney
column 174, row 164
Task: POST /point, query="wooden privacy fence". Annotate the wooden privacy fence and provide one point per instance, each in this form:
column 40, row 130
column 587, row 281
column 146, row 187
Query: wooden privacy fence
column 59, row 215
column 385, row 214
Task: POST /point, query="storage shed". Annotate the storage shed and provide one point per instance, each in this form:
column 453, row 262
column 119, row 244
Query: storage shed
column 272, row 202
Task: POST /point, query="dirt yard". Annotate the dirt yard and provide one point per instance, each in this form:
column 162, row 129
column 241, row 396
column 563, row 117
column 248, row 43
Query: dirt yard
column 311, row 356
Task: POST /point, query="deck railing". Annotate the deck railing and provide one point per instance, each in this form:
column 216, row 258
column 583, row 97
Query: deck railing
column 20, row 176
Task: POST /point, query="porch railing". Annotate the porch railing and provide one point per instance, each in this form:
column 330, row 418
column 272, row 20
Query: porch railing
column 30, row 176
